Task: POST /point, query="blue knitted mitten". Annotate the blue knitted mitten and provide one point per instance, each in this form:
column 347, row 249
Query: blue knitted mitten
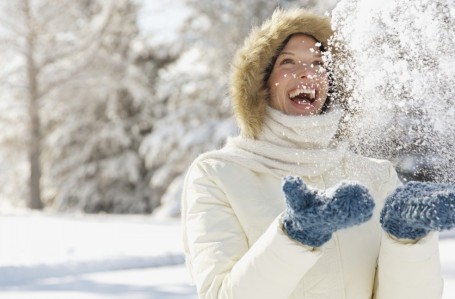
column 312, row 216
column 415, row 209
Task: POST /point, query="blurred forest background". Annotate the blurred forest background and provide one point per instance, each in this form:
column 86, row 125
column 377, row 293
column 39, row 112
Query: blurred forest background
column 104, row 104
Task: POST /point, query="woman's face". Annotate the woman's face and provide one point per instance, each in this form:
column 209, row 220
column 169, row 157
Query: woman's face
column 298, row 84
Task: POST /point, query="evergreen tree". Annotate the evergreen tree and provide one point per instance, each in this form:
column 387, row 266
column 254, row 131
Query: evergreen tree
column 95, row 165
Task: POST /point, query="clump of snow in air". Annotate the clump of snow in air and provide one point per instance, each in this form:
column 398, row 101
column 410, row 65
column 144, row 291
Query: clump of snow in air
column 396, row 61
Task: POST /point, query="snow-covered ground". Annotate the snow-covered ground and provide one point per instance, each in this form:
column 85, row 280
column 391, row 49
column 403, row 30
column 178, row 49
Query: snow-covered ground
column 82, row 257
column 103, row 256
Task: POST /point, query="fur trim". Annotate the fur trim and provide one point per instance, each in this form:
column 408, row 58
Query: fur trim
column 248, row 93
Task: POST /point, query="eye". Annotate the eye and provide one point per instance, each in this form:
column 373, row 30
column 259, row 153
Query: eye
column 286, row 61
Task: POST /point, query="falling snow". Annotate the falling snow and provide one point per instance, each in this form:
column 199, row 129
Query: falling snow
column 397, row 60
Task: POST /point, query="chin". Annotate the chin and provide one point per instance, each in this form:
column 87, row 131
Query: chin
column 304, row 112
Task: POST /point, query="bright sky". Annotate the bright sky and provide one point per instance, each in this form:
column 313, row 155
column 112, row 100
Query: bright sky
column 163, row 18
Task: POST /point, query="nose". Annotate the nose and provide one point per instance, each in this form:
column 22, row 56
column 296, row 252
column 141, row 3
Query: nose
column 305, row 71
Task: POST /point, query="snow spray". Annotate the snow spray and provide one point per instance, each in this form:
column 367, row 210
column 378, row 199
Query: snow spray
column 394, row 61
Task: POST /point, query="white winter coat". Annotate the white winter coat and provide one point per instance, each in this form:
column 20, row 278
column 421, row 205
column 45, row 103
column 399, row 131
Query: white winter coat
column 236, row 247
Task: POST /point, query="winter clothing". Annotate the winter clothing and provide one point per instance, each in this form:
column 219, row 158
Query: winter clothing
column 232, row 203
column 416, row 208
column 312, row 216
column 248, row 91
column 236, row 246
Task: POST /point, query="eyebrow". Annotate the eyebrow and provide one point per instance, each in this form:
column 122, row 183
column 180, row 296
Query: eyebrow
column 286, row 53
column 315, row 54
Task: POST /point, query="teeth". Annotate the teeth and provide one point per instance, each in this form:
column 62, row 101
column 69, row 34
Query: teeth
column 309, row 91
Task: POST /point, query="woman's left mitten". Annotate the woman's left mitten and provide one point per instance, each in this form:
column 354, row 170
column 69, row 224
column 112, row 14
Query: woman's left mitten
column 415, row 209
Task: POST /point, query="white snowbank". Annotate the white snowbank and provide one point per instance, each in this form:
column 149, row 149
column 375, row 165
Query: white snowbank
column 106, row 256
column 39, row 246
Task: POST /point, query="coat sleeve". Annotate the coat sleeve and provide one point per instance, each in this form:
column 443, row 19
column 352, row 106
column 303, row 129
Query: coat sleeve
column 407, row 270
column 222, row 262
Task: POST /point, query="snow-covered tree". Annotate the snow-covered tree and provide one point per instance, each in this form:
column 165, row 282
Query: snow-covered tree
column 91, row 104
column 94, row 148
column 45, row 36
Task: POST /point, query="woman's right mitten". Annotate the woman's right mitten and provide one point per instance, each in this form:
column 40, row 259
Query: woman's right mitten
column 312, row 216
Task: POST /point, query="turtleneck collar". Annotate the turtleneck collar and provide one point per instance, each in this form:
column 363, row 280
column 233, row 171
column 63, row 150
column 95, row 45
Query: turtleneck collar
column 288, row 145
column 300, row 132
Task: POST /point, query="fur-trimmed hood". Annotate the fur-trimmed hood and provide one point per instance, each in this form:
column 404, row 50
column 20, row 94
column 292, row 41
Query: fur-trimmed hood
column 248, row 92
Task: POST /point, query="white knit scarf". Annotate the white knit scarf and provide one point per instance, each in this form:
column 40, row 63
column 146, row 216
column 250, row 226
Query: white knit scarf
column 289, row 145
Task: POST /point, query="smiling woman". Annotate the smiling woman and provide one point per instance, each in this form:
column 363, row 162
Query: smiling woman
column 285, row 210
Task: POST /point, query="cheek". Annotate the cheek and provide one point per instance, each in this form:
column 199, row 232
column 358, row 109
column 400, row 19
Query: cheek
column 276, row 79
column 277, row 82
column 275, row 96
column 323, row 81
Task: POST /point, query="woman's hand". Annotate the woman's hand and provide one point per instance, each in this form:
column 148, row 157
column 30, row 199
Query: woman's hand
column 415, row 209
column 312, row 216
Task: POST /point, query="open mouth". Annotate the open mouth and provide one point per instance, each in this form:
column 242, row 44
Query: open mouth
column 303, row 95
